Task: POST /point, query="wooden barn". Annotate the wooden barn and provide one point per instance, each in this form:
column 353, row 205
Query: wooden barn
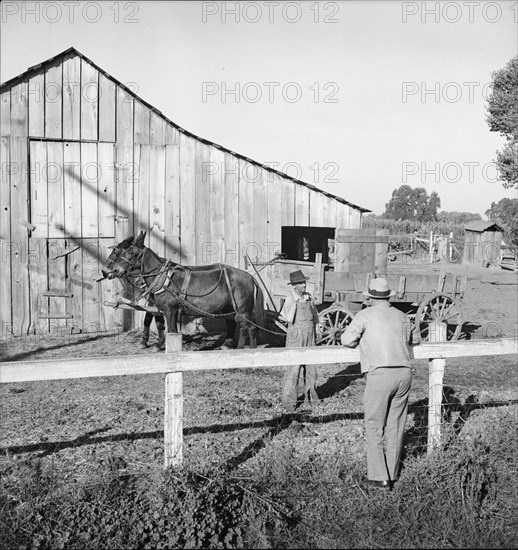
column 85, row 162
column 482, row 242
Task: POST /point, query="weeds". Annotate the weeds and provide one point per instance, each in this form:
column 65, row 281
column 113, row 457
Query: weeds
column 463, row 495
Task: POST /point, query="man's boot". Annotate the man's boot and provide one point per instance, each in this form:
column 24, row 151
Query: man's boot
column 145, row 337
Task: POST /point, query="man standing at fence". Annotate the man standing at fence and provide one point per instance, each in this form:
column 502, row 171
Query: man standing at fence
column 384, row 335
column 301, row 314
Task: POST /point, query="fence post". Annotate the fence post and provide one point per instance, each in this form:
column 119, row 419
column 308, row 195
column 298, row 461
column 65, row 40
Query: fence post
column 431, row 247
column 173, row 410
column 437, row 333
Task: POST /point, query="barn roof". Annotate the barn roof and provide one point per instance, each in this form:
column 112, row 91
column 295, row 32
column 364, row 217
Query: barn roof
column 72, row 52
column 480, row 226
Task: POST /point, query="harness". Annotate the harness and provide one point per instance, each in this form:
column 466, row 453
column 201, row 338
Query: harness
column 164, row 278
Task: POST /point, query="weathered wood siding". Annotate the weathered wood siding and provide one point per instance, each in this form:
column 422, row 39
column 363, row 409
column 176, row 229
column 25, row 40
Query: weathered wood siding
column 84, row 164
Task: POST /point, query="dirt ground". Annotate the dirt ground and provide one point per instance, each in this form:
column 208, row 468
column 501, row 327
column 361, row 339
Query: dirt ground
column 234, row 418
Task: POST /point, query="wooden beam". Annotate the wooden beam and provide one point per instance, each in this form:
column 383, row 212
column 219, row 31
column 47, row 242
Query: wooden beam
column 437, row 332
column 173, row 410
column 118, row 365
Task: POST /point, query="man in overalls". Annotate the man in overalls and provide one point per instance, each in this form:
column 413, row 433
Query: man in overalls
column 302, row 317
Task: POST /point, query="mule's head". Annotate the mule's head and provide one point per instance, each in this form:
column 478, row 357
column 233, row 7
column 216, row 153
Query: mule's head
column 124, row 256
column 109, row 272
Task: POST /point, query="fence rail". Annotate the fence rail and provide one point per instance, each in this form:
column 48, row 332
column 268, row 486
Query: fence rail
column 175, row 362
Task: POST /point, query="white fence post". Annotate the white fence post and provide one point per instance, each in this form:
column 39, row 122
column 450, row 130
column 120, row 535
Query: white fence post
column 437, row 333
column 173, row 409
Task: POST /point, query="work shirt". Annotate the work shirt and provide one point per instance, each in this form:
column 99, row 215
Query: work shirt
column 384, row 334
column 289, row 308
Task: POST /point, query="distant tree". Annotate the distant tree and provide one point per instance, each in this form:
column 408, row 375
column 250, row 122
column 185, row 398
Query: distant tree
column 408, row 204
column 505, row 212
column 457, row 217
column 503, row 117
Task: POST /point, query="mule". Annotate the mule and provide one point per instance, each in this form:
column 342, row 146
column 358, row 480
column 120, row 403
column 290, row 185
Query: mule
column 216, row 290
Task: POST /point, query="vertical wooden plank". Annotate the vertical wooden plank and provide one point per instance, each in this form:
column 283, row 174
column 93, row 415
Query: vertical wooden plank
column 287, row 202
column 38, row 265
column 5, row 113
column 74, row 285
column 71, row 98
column 5, row 191
column 36, row 95
column 19, row 237
column 18, row 151
column 72, row 188
column 231, row 210
column 342, row 216
column 125, row 117
column 141, row 132
column 260, row 208
column 172, row 203
column 89, row 191
column 39, row 194
column 157, row 232
column 141, row 189
column 188, row 199
column 316, row 209
column 331, row 213
column 125, row 173
column 125, row 176
column 173, row 409
column 19, row 111
column 380, row 253
column 106, row 189
column 91, row 302
column 156, row 129
column 89, row 101
column 355, row 218
column 55, row 190
column 246, row 210
column 107, row 99
column 331, row 217
column 171, row 135
column 202, row 201
column 110, row 318
column 56, row 270
column 274, row 221
column 53, row 102
column 6, row 245
column 216, row 174
column 301, row 205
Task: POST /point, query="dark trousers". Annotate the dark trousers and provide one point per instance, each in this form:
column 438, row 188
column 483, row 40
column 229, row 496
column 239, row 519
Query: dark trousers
column 149, row 317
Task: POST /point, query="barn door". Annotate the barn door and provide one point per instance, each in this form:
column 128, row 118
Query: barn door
column 73, row 224
column 361, row 251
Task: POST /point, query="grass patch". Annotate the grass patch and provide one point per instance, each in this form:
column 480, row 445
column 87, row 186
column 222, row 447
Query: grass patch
column 461, row 496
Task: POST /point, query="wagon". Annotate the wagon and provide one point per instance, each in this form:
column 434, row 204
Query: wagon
column 337, row 286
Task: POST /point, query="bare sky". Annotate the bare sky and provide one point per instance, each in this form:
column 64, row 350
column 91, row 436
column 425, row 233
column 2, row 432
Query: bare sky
column 356, row 97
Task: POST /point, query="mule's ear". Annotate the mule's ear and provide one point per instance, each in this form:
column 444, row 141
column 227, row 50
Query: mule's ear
column 126, row 243
column 139, row 241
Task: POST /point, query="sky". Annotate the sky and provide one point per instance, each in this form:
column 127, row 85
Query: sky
column 357, row 97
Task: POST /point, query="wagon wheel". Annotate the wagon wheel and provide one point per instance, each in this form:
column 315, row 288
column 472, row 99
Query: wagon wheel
column 439, row 308
column 332, row 322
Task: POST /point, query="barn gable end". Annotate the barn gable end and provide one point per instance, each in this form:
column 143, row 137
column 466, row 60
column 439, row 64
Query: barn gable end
column 86, row 162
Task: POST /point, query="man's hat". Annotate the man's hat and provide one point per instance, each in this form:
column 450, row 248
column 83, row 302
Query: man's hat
column 297, row 277
column 379, row 289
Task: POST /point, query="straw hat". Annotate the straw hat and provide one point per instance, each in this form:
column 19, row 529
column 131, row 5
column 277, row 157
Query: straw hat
column 379, row 289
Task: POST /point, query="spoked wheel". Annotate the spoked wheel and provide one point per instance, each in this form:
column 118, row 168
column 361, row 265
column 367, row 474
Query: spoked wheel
column 439, row 308
column 332, row 322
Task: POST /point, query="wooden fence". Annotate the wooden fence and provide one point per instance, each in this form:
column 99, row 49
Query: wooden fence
column 175, row 362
